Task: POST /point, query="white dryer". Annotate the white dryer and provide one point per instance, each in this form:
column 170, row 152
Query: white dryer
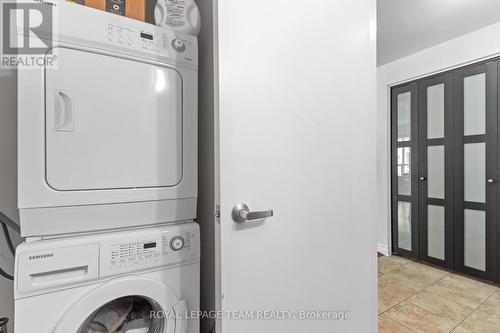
column 107, row 135
column 138, row 281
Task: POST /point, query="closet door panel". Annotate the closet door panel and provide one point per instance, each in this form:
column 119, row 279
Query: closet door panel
column 435, row 187
column 405, row 170
column 476, row 155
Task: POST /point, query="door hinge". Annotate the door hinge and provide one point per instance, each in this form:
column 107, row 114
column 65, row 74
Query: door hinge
column 217, row 213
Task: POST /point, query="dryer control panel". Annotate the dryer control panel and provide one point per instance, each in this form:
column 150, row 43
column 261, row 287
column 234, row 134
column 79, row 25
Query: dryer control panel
column 117, row 33
column 164, row 247
column 153, row 40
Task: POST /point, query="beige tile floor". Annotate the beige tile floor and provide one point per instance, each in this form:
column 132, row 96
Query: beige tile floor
column 418, row 298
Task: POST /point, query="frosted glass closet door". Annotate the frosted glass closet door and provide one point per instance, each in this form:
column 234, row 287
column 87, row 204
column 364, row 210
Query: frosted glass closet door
column 405, row 153
column 435, row 170
column 476, row 170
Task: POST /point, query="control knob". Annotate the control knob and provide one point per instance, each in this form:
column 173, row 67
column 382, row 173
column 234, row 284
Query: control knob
column 178, row 45
column 177, row 243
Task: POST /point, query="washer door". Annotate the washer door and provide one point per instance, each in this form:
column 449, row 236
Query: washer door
column 129, row 305
column 126, row 314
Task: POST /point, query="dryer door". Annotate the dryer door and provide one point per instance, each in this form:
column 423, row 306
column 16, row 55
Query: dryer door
column 112, row 123
column 129, row 305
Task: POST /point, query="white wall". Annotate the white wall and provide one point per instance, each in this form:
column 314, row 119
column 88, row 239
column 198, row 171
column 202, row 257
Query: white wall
column 408, row 26
column 473, row 47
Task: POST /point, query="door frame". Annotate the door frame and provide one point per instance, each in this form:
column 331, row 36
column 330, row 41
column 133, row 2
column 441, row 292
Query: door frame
column 496, row 277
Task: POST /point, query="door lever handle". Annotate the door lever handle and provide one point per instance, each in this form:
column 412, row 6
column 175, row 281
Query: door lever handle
column 491, row 181
column 242, row 214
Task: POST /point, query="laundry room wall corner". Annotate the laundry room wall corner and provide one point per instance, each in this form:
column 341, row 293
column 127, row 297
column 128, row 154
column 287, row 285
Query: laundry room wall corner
column 8, row 138
column 8, row 177
column 7, row 286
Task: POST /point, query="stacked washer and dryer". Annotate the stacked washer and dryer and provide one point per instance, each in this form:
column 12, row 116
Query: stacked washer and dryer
column 107, row 180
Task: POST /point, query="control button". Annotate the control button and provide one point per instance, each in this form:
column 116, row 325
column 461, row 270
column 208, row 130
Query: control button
column 178, row 45
column 110, row 36
column 177, row 243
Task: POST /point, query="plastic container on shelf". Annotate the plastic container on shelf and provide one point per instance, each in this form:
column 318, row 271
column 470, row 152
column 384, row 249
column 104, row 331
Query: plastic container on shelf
column 179, row 15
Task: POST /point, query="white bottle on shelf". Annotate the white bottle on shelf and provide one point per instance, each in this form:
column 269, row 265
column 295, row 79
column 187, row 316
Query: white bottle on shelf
column 179, row 15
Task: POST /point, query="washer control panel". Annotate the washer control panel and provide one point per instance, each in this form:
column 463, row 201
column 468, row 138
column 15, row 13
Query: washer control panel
column 168, row 247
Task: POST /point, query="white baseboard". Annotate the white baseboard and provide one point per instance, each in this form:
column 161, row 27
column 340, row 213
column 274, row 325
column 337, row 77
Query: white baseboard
column 384, row 249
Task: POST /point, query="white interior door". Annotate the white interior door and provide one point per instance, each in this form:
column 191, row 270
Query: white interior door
column 297, row 135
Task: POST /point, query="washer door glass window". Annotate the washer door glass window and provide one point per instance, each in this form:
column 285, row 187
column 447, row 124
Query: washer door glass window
column 131, row 314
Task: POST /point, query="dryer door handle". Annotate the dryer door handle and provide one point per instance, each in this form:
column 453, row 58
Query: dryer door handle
column 181, row 322
column 64, row 111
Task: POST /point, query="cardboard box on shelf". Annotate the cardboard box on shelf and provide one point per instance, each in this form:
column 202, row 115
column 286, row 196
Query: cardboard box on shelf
column 135, row 9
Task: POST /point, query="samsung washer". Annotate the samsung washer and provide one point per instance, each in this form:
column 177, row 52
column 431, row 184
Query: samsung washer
column 137, row 281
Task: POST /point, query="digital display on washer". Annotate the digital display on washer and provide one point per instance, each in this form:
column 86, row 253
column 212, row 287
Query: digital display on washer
column 146, row 36
column 149, row 245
